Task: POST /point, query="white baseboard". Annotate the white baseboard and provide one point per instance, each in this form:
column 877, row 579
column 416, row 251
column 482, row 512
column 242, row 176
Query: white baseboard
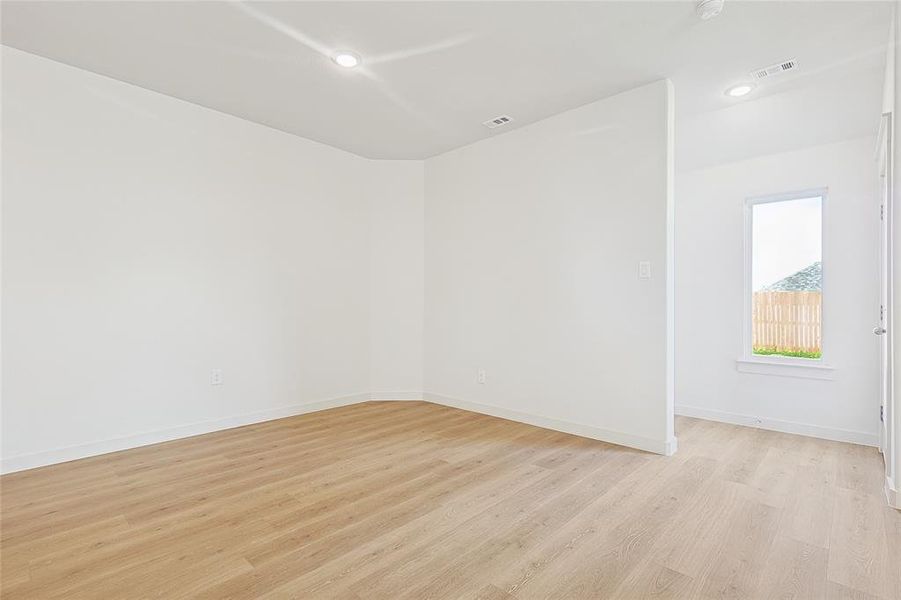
column 892, row 494
column 826, row 433
column 59, row 455
column 381, row 396
column 605, row 435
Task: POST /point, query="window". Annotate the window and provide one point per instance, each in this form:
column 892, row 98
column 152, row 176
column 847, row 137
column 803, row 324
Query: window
column 784, row 277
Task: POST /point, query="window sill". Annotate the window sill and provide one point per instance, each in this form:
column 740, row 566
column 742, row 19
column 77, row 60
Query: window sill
column 785, row 368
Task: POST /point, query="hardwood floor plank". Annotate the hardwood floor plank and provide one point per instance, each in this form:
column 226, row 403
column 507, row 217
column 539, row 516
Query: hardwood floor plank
column 335, row 577
column 858, row 553
column 836, row 591
column 858, row 471
column 892, row 526
column 594, row 553
column 162, row 494
column 794, row 570
column 808, row 510
column 736, row 566
column 512, row 530
column 655, row 582
column 490, row 592
column 691, row 540
column 414, row 500
column 300, row 555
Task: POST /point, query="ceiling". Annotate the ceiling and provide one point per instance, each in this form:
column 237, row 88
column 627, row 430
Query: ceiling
column 434, row 71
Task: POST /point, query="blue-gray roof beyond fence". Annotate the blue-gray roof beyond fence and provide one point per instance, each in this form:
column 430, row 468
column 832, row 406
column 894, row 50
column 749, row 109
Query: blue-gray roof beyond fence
column 808, row 279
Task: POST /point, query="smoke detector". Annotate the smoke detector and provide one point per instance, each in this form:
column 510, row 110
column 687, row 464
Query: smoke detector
column 707, row 9
column 780, row 67
column 497, row 121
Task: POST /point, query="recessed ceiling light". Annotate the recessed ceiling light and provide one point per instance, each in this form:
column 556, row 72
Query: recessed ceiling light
column 345, row 59
column 739, row 90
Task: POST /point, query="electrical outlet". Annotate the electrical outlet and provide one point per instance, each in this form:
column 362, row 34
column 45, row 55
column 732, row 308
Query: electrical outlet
column 481, row 376
column 216, row 377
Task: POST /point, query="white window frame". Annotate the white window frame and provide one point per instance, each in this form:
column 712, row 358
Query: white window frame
column 816, row 368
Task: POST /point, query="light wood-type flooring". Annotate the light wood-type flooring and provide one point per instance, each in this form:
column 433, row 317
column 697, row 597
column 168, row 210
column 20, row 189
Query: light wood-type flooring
column 402, row 500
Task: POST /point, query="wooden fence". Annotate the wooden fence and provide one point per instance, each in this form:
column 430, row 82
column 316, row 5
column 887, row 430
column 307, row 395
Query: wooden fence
column 787, row 321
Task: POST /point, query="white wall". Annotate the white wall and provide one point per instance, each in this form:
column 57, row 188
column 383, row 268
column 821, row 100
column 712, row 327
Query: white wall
column 533, row 240
column 147, row 241
column 396, row 280
column 709, row 292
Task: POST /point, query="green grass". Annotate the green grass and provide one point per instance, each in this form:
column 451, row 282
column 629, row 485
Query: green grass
column 798, row 354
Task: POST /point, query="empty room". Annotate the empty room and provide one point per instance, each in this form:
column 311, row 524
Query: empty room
column 496, row 300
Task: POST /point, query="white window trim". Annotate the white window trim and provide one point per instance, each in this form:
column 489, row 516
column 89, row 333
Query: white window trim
column 786, row 366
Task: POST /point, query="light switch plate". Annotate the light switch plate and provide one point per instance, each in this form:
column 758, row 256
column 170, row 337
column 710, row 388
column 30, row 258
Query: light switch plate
column 644, row 269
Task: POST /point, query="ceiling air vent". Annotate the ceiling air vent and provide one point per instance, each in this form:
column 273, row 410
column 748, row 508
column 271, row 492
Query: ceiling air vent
column 497, row 121
column 786, row 65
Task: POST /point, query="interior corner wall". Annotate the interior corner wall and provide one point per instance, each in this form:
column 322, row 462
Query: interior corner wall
column 146, row 241
column 710, row 288
column 396, row 280
column 533, row 241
